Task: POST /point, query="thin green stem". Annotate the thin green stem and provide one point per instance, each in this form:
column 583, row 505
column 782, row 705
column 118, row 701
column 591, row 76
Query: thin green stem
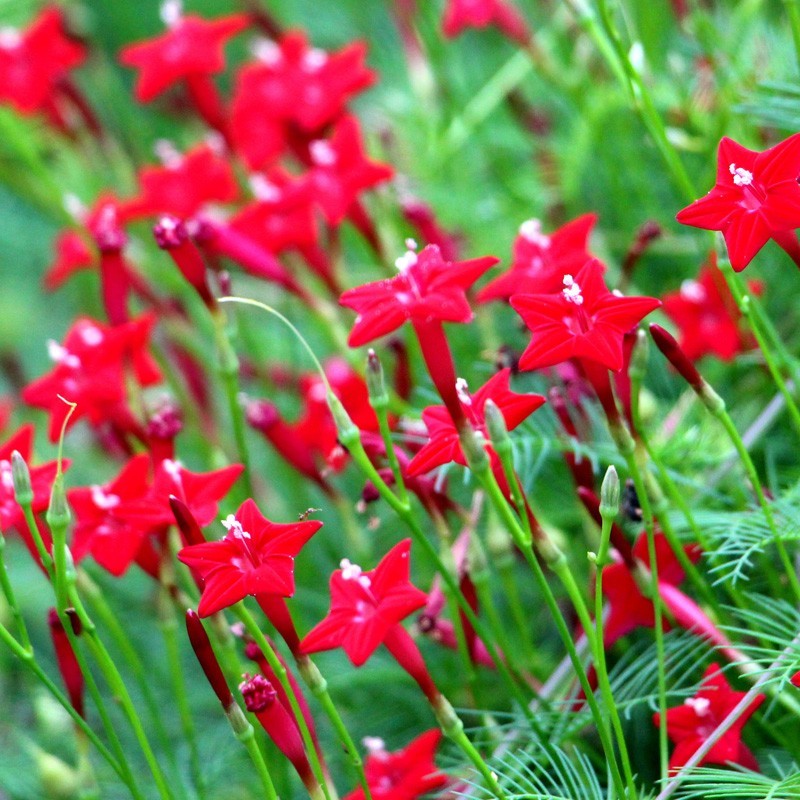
column 750, row 310
column 8, row 592
column 229, row 372
column 27, row 658
column 280, row 672
column 793, row 13
column 245, row 733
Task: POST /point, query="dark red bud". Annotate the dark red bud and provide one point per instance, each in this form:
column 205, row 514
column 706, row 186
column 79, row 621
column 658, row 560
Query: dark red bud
column 169, row 232
column 207, row 658
column 257, row 692
column 186, row 522
column 668, row 345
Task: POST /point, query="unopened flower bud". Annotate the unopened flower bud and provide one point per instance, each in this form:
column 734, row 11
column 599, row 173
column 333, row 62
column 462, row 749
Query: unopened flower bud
column 376, row 385
column 257, row 692
column 496, row 427
column 58, row 515
column 208, row 660
column 610, row 494
column 473, row 445
column 21, row 476
column 348, row 432
column 638, row 365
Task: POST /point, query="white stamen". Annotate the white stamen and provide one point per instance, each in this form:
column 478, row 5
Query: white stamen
column 234, row 527
column 60, row 355
column 265, row 190
column 103, row 500
column 216, row 141
column 74, row 207
column 314, row 59
column 741, row 176
column 352, row 572
column 171, row 12
column 6, row 476
column 173, row 469
column 462, row 390
column 373, row 744
column 167, row 153
column 91, row 335
column 322, row 154
column 700, row 705
column 693, row 290
column 406, row 261
column 411, row 244
column 9, row 38
column 572, row 291
column 266, row 51
column 531, row 230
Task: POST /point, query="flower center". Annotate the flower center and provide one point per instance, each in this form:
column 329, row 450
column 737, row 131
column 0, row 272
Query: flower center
column 700, row 705
column 61, row 355
column 352, row 572
column 531, row 231
column 103, row 499
column 741, row 176
column 462, row 390
column 322, row 154
column 572, row 291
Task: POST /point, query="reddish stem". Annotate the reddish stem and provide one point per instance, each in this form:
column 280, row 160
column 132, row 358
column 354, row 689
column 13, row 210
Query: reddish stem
column 208, row 104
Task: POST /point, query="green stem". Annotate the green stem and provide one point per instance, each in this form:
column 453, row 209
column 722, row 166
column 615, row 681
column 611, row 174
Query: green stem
column 8, row 591
column 750, row 310
column 559, row 565
column 319, row 687
column 280, row 672
column 27, row 658
column 453, row 728
column 793, row 12
column 229, row 372
column 245, row 733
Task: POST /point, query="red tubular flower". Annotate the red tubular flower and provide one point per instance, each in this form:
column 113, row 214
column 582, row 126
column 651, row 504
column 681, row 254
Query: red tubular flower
column 405, row 774
column 255, row 557
column 90, row 370
column 293, row 91
column 585, row 320
column 171, row 235
column 541, row 260
column 366, row 606
column 444, row 445
column 72, row 255
column 706, row 313
column 756, row 198
column 34, row 62
column 340, row 170
column 261, row 698
column 103, row 529
column 690, row 725
column 190, row 51
column 428, row 291
column 68, row 664
column 186, row 182
column 462, row 14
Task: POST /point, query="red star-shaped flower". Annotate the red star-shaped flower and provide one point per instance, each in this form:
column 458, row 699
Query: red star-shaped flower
column 756, row 196
column 340, row 170
column 185, row 183
column 444, row 445
column 255, row 557
column 540, row 260
column 462, row 14
column 405, row 774
column 293, row 91
column 690, row 724
column 427, row 288
column 103, row 529
column 192, row 47
column 90, row 370
column 366, row 606
column 584, row 320
column 33, row 61
column 706, row 313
